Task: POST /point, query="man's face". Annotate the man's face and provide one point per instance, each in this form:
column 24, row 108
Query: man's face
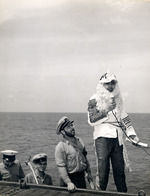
column 8, row 163
column 110, row 86
column 41, row 164
column 69, row 130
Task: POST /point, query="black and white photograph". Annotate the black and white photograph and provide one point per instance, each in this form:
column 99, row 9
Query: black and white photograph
column 74, row 97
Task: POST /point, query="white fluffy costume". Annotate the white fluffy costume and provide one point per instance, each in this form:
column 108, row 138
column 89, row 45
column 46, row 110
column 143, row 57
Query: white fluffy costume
column 97, row 106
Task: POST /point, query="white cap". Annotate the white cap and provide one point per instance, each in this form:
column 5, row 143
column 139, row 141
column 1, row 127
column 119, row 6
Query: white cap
column 107, row 77
column 63, row 122
column 9, row 152
column 9, row 155
column 38, row 156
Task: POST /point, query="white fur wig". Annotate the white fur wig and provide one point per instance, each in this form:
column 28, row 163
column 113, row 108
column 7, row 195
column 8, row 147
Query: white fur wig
column 104, row 97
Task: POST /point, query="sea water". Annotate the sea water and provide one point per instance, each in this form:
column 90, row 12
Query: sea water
column 33, row 133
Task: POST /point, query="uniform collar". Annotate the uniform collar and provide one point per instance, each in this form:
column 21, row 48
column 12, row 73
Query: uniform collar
column 40, row 176
column 66, row 140
column 8, row 167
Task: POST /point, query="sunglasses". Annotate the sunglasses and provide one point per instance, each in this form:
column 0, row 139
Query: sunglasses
column 113, row 82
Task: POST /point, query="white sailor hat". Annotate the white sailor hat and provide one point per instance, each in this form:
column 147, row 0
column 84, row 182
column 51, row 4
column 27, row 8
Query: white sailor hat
column 107, row 77
column 39, row 157
column 9, row 155
column 62, row 123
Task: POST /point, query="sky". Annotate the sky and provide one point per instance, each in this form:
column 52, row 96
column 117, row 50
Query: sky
column 53, row 53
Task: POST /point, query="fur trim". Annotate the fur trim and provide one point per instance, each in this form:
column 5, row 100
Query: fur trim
column 104, row 97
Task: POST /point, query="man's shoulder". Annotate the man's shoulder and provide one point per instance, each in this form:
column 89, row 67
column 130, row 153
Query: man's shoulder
column 81, row 141
column 93, row 96
column 48, row 179
column 1, row 165
column 48, row 176
column 29, row 178
column 92, row 102
column 29, row 175
column 79, row 138
column 17, row 163
column 60, row 144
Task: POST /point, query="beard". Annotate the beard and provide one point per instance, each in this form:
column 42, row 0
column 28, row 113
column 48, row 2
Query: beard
column 104, row 97
column 70, row 133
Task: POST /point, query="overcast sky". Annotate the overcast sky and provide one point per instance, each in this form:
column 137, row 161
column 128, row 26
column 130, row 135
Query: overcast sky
column 52, row 53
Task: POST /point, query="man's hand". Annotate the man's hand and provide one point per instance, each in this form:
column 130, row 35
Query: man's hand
column 110, row 105
column 89, row 176
column 90, row 180
column 71, row 187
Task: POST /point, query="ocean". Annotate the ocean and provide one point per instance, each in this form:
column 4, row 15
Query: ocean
column 33, row 133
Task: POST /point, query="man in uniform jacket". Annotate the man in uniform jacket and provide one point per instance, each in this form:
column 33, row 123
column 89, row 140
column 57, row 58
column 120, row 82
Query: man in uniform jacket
column 10, row 168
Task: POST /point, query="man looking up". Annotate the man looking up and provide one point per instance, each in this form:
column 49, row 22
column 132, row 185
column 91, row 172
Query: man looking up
column 70, row 157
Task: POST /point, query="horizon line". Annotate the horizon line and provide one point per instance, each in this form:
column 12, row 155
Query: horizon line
column 72, row 112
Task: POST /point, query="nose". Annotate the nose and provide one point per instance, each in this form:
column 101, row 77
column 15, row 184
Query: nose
column 43, row 163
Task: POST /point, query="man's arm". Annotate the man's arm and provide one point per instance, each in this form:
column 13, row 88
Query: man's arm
column 129, row 128
column 88, row 169
column 61, row 163
column 21, row 172
column 95, row 116
column 61, row 166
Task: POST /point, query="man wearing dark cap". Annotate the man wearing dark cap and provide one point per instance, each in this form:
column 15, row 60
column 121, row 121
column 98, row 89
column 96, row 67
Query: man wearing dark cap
column 39, row 176
column 70, row 157
column 107, row 115
column 10, row 169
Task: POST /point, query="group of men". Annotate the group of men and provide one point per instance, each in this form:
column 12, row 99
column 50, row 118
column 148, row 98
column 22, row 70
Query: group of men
column 107, row 115
column 11, row 169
